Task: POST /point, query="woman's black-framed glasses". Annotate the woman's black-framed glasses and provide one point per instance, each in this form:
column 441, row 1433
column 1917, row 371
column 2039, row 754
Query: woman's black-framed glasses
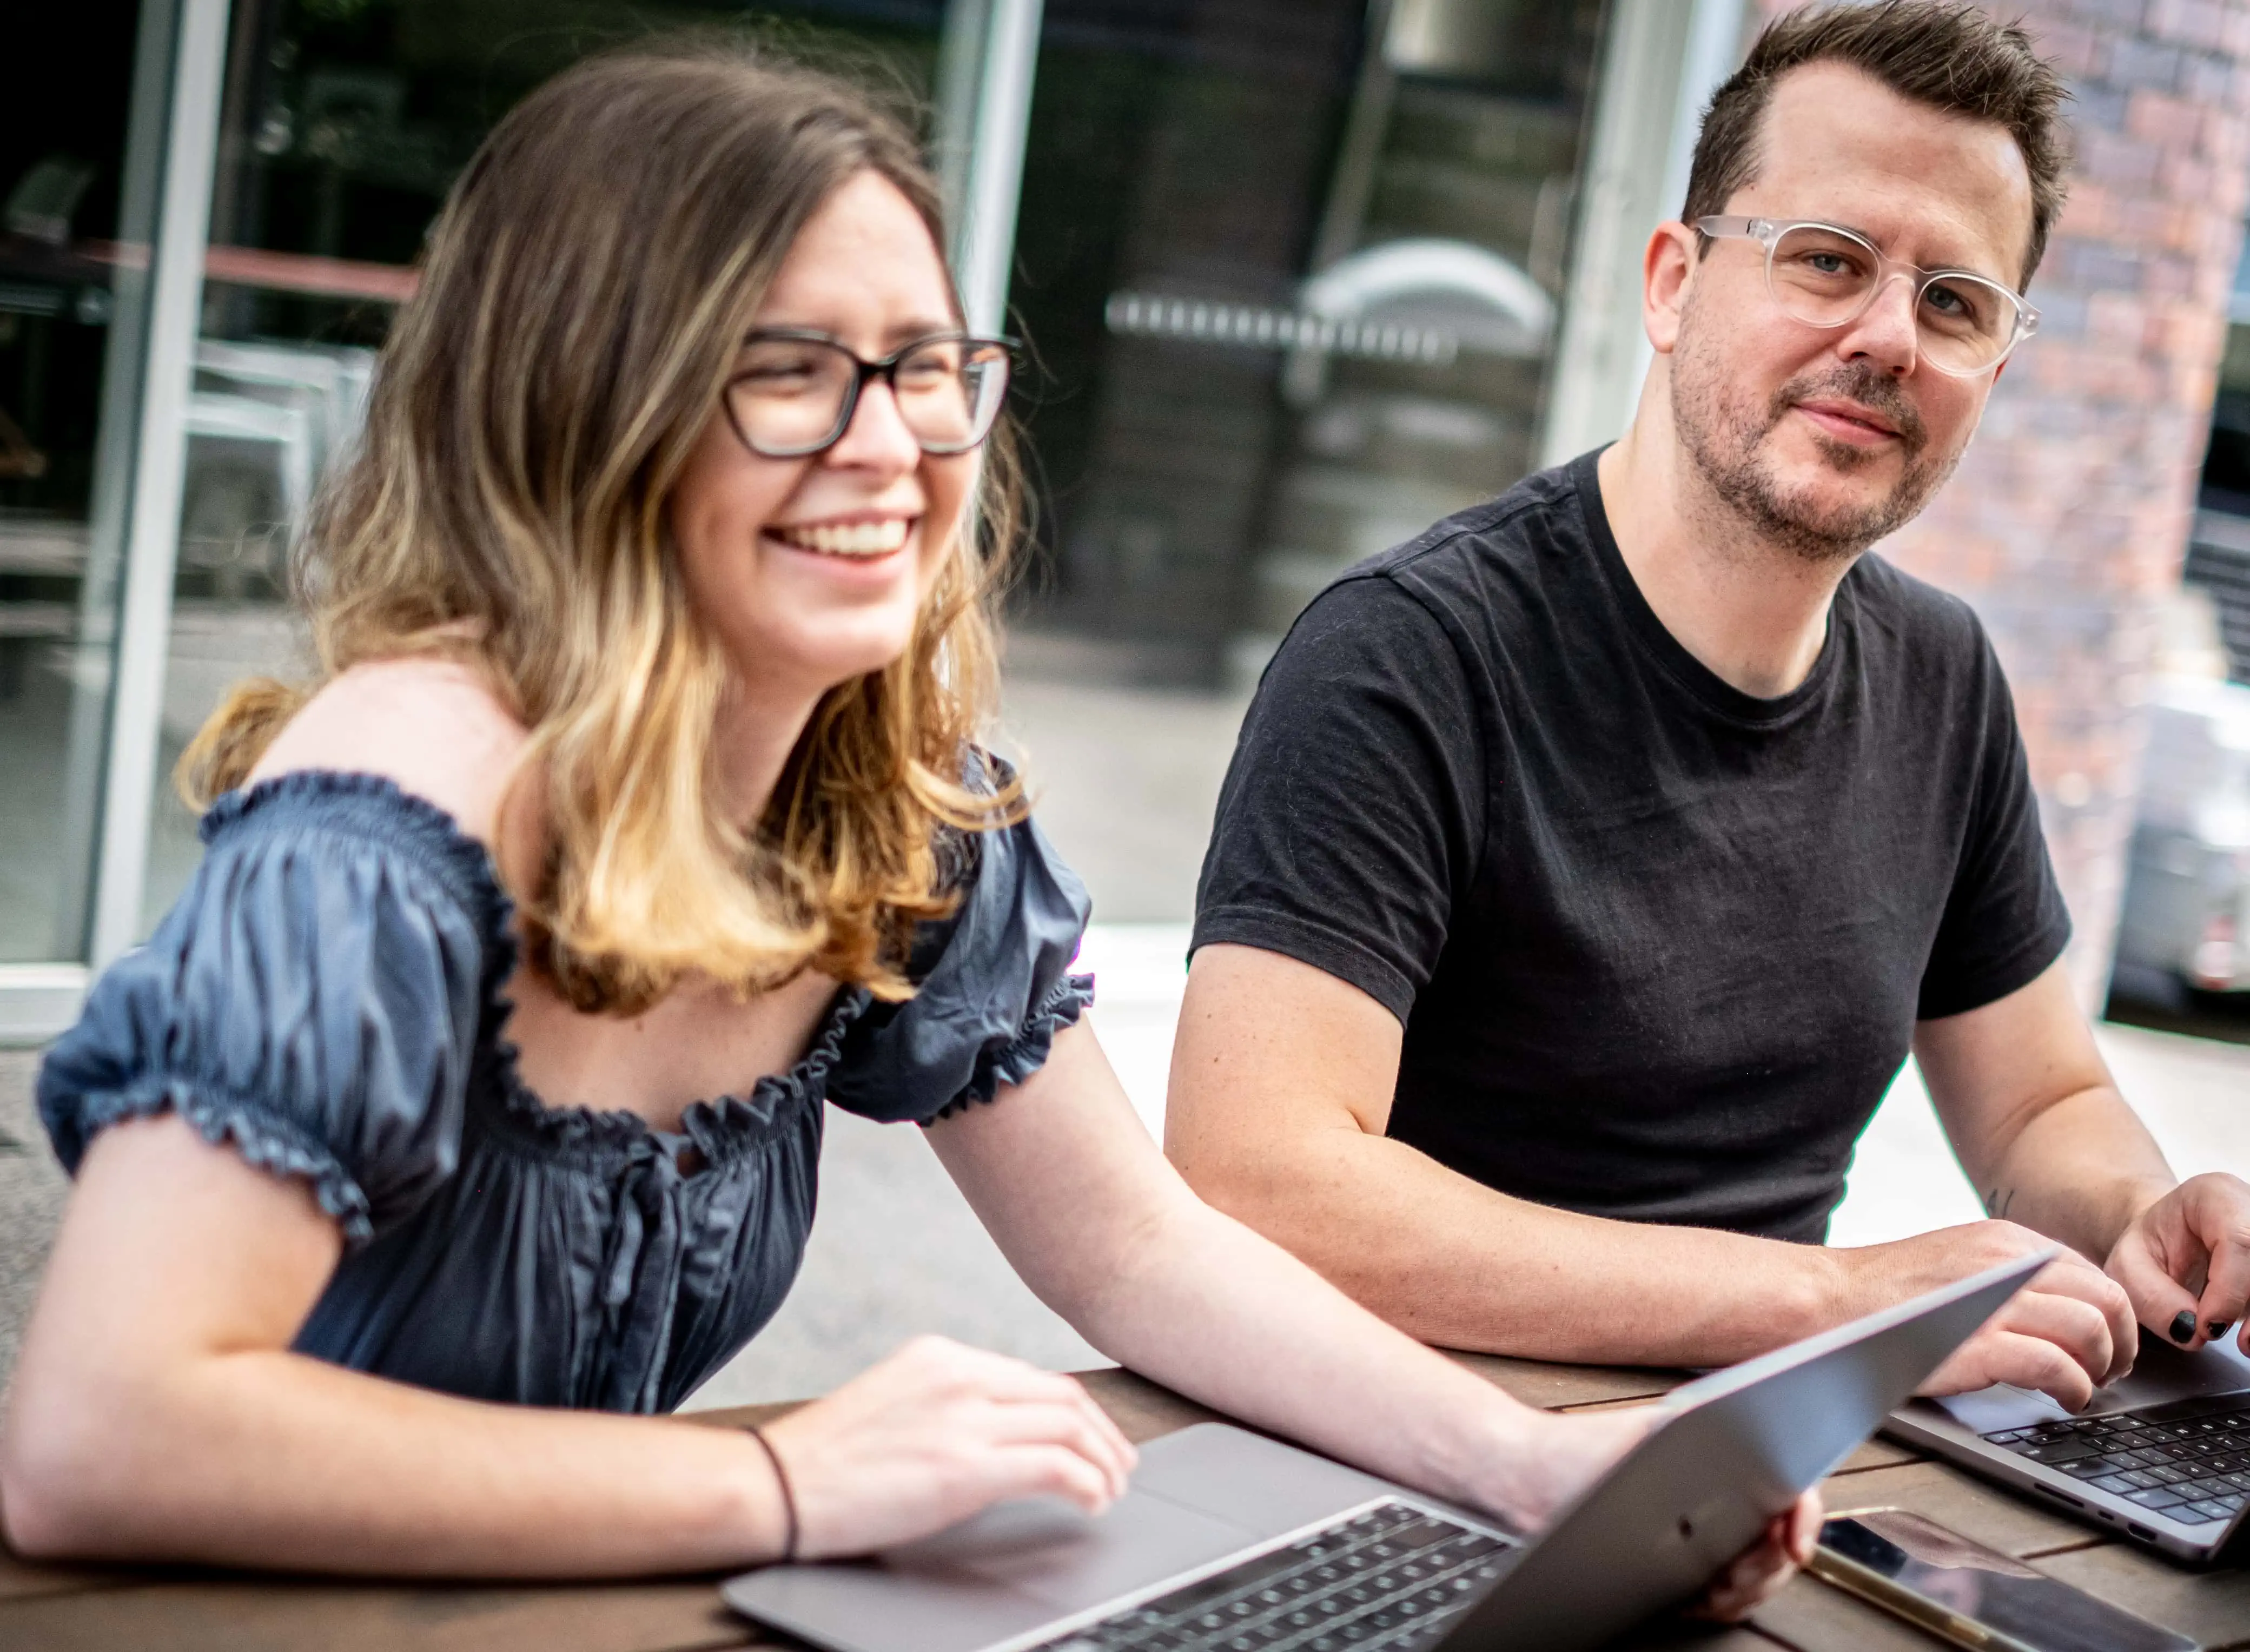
column 1823, row 275
column 793, row 393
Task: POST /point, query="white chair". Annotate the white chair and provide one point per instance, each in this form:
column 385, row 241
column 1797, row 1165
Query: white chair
column 304, row 403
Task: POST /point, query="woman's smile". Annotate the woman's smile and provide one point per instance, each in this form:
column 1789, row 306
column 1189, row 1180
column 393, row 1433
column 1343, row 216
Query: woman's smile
column 856, row 539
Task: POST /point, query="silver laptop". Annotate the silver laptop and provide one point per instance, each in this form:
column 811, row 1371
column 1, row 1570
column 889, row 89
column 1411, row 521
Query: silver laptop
column 1228, row 1541
column 2163, row 1457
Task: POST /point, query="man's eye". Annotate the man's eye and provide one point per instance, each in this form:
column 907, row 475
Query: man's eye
column 1951, row 304
column 1825, row 264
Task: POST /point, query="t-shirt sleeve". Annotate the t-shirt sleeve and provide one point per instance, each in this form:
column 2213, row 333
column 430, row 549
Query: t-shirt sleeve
column 1352, row 813
column 993, row 987
column 2004, row 921
column 313, row 1001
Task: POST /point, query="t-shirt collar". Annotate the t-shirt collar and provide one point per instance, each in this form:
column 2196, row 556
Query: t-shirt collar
column 1666, row 650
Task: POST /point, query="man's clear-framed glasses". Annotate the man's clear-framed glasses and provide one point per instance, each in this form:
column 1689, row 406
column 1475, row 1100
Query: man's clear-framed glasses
column 792, row 393
column 1824, row 275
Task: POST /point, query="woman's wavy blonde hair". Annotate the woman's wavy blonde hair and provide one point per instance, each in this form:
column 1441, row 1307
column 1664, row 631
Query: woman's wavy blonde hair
column 582, row 300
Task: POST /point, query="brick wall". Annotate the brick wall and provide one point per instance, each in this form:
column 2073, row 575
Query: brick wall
column 2069, row 516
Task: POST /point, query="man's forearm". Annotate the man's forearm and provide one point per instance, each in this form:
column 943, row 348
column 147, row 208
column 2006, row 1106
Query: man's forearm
column 2035, row 1118
column 1455, row 1264
column 2078, row 1171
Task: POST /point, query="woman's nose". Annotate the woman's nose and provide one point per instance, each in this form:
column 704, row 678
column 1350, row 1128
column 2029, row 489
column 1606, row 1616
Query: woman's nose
column 877, row 438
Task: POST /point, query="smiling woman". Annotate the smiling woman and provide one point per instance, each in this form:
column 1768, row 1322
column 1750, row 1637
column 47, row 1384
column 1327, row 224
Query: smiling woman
column 552, row 574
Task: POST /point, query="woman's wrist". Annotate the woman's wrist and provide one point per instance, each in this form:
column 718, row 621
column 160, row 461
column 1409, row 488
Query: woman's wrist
column 1537, row 1462
column 1498, row 1465
column 758, row 1516
column 792, row 1534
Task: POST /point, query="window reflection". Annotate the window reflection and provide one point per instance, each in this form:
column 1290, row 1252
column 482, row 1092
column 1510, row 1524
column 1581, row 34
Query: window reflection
column 1292, row 270
column 68, row 363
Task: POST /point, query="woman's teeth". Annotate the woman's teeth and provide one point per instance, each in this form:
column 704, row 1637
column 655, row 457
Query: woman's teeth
column 846, row 539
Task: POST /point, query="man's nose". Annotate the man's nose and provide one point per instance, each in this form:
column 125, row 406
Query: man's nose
column 1886, row 333
column 877, row 439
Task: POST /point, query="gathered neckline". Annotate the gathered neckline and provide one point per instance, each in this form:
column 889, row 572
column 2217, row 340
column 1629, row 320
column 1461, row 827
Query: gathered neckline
column 722, row 1128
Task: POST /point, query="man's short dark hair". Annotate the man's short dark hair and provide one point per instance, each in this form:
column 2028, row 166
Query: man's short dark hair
column 1950, row 56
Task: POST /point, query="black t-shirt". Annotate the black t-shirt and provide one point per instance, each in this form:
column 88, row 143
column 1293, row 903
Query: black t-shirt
column 1658, row 946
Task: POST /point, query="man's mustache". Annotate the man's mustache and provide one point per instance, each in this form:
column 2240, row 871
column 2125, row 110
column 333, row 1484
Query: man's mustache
column 1874, row 389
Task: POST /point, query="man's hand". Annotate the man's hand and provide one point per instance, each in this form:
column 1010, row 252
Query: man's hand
column 2185, row 1261
column 2066, row 1333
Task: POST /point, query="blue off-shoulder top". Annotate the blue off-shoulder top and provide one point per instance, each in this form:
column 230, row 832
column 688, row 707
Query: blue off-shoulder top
column 328, row 998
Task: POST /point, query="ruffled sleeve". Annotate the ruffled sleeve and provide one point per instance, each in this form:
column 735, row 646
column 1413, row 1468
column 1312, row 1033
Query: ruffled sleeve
column 994, row 987
column 317, row 998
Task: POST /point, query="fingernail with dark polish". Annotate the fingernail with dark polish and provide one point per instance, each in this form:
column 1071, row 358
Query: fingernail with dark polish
column 2220, row 1327
column 2183, row 1326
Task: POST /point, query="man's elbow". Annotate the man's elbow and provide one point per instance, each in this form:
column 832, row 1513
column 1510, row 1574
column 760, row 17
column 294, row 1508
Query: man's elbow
column 1254, row 1185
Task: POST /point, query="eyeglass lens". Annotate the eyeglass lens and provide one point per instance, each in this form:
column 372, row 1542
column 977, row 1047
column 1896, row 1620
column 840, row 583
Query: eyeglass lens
column 1826, row 278
column 794, row 395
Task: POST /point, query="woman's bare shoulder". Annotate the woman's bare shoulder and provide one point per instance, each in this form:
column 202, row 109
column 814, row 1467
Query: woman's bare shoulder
column 432, row 726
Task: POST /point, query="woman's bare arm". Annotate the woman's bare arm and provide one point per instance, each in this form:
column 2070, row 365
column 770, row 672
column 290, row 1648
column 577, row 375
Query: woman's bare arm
column 157, row 1414
column 157, row 1411
column 1103, row 1228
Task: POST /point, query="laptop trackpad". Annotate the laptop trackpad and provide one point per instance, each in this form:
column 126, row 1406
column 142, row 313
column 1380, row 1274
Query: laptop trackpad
column 1252, row 1481
column 1047, row 1549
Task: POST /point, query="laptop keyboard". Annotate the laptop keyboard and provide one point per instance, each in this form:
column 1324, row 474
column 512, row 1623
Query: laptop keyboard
column 1389, row 1580
column 2188, row 1459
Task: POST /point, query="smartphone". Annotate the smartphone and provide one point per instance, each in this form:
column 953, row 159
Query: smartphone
column 1968, row 1595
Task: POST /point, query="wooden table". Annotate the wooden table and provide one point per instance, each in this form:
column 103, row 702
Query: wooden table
column 44, row 1608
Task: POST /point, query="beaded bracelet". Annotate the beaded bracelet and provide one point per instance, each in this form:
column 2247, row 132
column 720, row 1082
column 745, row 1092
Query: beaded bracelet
column 788, row 1494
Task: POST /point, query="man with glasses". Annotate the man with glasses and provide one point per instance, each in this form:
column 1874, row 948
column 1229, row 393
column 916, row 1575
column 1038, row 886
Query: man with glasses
column 1589, row 866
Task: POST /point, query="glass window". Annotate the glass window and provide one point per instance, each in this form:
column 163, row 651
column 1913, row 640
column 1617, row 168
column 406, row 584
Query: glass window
column 343, row 125
column 73, row 242
column 2227, row 463
column 1290, row 270
column 2218, row 564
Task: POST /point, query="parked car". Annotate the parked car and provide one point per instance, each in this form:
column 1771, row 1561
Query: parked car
column 2185, row 928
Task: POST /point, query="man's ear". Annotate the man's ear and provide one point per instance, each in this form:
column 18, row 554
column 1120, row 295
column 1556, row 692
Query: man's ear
column 1666, row 268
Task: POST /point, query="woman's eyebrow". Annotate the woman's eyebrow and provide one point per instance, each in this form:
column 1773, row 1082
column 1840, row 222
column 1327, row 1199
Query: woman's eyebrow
column 893, row 337
column 906, row 332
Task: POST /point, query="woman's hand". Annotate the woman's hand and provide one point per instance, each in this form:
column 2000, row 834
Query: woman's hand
column 935, row 1433
column 1545, row 1474
column 1758, row 1572
column 2185, row 1261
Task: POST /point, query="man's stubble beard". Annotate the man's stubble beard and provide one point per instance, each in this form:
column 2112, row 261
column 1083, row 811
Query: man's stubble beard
column 1724, row 439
